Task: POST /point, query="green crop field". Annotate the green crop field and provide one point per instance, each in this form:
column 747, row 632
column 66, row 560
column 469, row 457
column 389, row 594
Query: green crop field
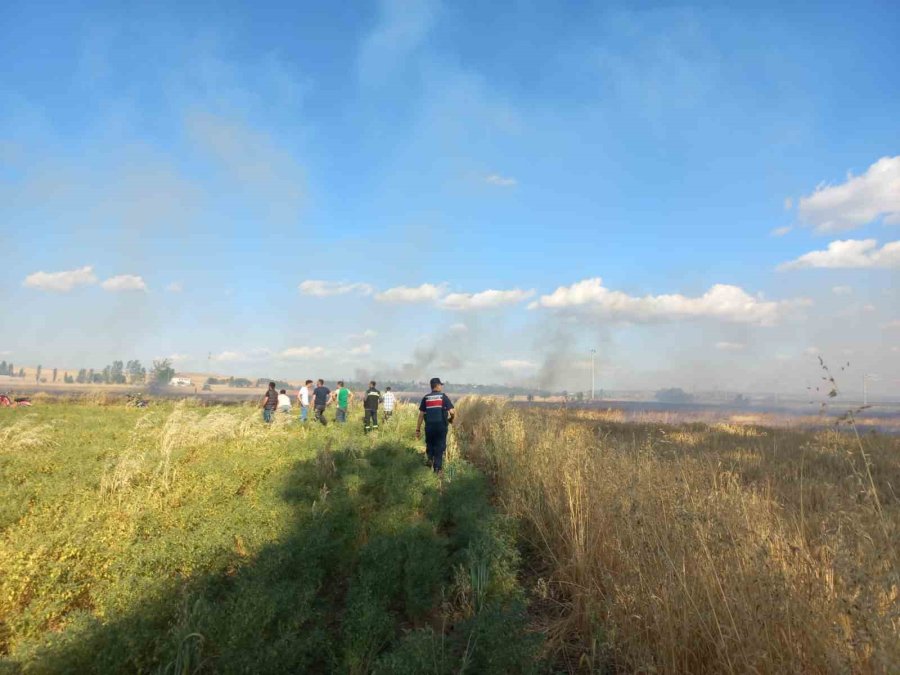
column 180, row 539
column 188, row 539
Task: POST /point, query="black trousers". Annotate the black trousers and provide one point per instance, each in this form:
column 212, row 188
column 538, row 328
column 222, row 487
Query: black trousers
column 320, row 415
column 370, row 419
column 436, row 444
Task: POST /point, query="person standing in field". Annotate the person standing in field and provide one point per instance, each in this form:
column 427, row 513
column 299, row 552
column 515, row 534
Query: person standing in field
column 284, row 402
column 269, row 402
column 342, row 397
column 436, row 410
column 321, row 396
column 389, row 401
column 303, row 400
column 370, row 407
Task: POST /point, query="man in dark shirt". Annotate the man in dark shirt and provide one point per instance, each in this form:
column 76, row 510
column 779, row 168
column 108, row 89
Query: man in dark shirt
column 370, row 407
column 269, row 402
column 436, row 410
column 321, row 394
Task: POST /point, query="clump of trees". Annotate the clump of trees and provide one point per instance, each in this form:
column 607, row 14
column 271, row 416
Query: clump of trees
column 9, row 370
column 673, row 395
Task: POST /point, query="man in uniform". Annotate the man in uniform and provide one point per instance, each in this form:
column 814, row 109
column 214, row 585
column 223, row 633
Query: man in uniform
column 370, row 407
column 436, row 410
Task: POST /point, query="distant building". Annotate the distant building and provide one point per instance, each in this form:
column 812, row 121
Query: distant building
column 180, row 382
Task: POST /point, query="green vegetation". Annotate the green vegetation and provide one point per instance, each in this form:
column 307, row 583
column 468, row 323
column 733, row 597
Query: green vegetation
column 180, row 539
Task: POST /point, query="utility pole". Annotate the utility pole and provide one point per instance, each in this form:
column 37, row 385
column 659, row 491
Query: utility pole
column 866, row 378
column 593, row 352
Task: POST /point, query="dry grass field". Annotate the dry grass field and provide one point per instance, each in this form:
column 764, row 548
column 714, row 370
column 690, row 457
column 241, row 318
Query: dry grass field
column 700, row 548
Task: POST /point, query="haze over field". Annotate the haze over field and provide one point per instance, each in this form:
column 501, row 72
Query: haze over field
column 709, row 197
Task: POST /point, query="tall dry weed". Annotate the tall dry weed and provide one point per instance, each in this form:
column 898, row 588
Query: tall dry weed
column 703, row 549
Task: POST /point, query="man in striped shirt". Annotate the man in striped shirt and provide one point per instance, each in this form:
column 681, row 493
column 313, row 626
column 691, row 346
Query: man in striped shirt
column 436, row 410
column 389, row 401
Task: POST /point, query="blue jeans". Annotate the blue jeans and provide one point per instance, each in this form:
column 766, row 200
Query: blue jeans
column 436, row 444
column 340, row 415
column 304, row 413
column 267, row 414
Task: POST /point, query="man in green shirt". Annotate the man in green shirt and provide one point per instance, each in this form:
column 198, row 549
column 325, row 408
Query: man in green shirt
column 342, row 397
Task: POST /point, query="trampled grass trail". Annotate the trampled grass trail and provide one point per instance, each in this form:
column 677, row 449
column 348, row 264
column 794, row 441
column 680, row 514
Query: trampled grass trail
column 182, row 539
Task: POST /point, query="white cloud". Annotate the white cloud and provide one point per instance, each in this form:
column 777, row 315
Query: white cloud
column 730, row 346
column 175, row 287
column 423, row 293
column 849, row 254
column 868, row 307
column 788, row 203
column 892, row 324
column 365, row 335
column 500, row 181
column 323, row 289
column 859, row 200
column 722, row 301
column 812, row 351
column 61, row 282
column 361, row 350
column 124, row 282
column 459, row 328
column 488, row 299
column 304, row 352
column 842, row 290
column 518, row 365
column 174, row 358
column 780, row 231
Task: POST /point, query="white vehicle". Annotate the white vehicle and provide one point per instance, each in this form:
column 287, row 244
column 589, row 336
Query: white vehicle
column 180, row 382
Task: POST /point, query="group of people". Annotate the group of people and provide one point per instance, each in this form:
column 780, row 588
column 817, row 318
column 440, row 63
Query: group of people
column 320, row 397
column 435, row 410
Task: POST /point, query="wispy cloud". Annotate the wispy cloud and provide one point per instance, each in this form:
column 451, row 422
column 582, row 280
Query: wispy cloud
column 252, row 159
column 402, row 27
column 891, row 325
column 781, row 231
column 722, row 301
column 842, row 290
column 849, row 254
column 361, row 350
column 488, row 299
column 61, row 282
column 500, row 181
column 323, row 289
column 304, row 353
column 730, row 346
column 410, row 294
column 857, row 201
column 124, row 282
column 175, row 287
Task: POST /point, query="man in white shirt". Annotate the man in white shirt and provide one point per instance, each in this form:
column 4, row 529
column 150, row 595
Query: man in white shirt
column 303, row 399
column 388, row 401
column 284, row 402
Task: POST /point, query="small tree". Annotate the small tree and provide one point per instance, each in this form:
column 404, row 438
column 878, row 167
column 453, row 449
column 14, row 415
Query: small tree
column 82, row 376
column 37, row 373
column 162, row 371
column 3, row 368
column 21, row 372
column 10, row 370
column 54, row 374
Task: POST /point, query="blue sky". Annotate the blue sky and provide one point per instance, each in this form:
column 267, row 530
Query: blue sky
column 205, row 161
